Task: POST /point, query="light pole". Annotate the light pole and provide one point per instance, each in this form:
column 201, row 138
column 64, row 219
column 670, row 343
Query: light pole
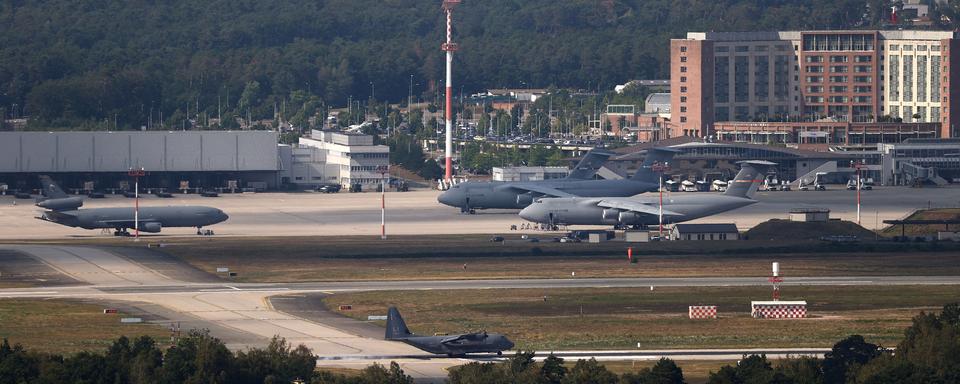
column 384, row 171
column 858, row 165
column 136, row 173
column 661, row 168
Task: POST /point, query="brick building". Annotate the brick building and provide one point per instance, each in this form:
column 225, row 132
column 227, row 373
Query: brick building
column 851, row 78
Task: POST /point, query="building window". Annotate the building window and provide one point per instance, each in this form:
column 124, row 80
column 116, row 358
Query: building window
column 683, row 99
column 683, row 59
column 813, row 59
column 814, row 69
column 742, row 48
column 683, row 109
column 683, row 69
column 863, row 59
column 839, row 69
column 683, row 79
column 894, row 47
column 683, row 49
column 683, row 119
column 683, row 89
column 839, row 59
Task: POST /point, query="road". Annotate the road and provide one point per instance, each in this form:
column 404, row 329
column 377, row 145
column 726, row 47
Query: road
column 244, row 316
column 418, row 212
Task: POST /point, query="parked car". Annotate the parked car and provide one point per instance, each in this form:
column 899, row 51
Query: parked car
column 209, row 193
column 96, row 195
column 162, row 194
column 329, row 188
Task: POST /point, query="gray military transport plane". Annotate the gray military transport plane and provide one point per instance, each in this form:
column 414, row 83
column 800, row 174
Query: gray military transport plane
column 64, row 210
column 470, row 196
column 644, row 210
column 453, row 345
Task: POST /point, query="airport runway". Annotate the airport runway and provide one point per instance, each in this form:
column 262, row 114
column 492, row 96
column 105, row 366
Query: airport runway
column 243, row 315
column 418, row 212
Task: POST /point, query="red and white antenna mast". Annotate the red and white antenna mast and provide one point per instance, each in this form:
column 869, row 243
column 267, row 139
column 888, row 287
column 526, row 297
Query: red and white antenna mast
column 449, row 47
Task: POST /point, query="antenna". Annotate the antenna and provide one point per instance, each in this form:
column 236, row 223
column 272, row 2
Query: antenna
column 449, row 47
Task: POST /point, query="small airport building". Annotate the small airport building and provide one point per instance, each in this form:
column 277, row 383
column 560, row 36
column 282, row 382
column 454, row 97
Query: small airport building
column 704, row 232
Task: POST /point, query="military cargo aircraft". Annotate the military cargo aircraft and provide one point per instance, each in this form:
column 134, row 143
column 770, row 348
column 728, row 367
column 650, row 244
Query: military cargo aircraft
column 470, row 196
column 452, row 345
column 644, row 210
column 65, row 210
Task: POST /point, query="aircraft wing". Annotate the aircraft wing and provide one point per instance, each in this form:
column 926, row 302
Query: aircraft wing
column 634, row 206
column 465, row 336
column 451, row 339
column 542, row 190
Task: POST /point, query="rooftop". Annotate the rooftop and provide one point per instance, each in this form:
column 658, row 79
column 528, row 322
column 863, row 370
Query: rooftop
column 706, row 228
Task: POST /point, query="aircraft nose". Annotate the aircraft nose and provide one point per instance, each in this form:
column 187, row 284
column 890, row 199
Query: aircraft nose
column 532, row 212
column 448, row 198
column 223, row 216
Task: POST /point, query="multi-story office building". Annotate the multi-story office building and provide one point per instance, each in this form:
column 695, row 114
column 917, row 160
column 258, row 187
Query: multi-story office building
column 887, row 79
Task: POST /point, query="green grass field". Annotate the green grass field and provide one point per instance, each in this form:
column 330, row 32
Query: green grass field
column 59, row 326
column 473, row 257
column 620, row 318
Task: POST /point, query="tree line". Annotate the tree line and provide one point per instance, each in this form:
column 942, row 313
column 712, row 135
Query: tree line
column 123, row 64
column 928, row 353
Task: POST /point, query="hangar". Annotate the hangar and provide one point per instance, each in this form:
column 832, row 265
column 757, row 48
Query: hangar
column 172, row 160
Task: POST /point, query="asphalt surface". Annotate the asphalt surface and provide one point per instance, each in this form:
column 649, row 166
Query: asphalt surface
column 168, row 291
column 418, row 212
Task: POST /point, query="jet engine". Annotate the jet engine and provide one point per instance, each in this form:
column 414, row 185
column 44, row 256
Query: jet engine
column 611, row 214
column 524, row 200
column 150, row 227
column 628, row 217
column 64, row 204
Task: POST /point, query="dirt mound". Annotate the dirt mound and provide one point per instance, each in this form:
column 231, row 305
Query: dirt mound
column 778, row 229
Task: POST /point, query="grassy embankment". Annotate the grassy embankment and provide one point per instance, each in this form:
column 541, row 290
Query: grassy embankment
column 444, row 257
column 609, row 318
column 59, row 326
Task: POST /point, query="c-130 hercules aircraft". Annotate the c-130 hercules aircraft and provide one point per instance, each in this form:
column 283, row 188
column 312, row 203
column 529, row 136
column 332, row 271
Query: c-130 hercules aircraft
column 64, row 210
column 452, row 345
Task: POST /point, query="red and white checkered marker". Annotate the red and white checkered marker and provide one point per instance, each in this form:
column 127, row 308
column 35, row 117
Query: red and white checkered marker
column 778, row 309
column 703, row 311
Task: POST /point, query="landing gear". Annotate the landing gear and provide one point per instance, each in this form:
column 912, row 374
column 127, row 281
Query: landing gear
column 121, row 232
column 204, row 232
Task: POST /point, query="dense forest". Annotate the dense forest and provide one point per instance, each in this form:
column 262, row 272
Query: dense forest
column 130, row 63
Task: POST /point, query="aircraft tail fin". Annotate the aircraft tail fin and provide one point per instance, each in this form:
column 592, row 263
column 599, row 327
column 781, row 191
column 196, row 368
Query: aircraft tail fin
column 396, row 327
column 656, row 155
column 590, row 164
column 50, row 189
column 751, row 175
